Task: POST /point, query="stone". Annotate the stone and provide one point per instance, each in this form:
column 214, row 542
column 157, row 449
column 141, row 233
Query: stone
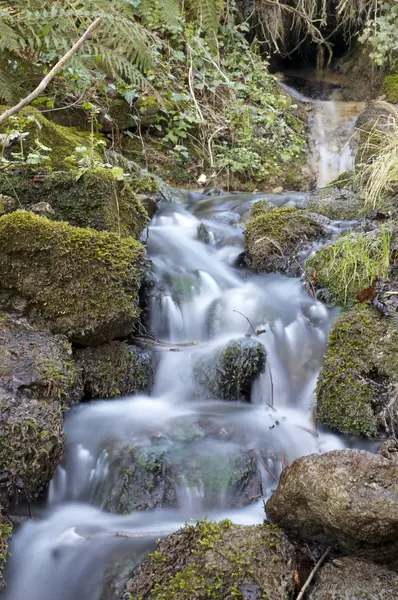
column 335, row 203
column 38, row 379
column 78, row 282
column 346, row 499
column 275, row 238
column 347, row 578
column 216, row 560
column 229, row 372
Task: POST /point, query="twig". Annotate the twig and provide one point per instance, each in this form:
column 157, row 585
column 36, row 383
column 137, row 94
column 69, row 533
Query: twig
column 262, row 492
column 50, row 76
column 272, row 387
column 247, row 319
column 312, row 574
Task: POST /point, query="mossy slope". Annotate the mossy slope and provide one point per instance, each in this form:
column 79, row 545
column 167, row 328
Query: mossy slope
column 356, row 387
column 78, row 282
column 96, row 199
column 274, row 238
column 217, row 561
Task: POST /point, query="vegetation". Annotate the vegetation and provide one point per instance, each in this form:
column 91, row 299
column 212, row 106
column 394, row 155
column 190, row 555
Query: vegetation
column 351, row 263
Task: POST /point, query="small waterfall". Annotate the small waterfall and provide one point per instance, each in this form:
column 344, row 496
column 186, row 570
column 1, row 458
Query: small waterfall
column 331, row 139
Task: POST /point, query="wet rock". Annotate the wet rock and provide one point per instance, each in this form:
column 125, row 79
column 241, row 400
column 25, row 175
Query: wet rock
column 213, row 560
column 229, row 371
column 356, row 389
column 274, row 239
column 97, row 199
column 203, row 234
column 37, row 377
column 165, row 472
column 7, row 204
column 78, row 282
column 345, row 578
column 114, row 369
column 344, row 499
column 335, row 203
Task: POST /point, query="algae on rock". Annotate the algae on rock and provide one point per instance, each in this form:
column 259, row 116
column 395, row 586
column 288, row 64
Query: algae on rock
column 218, row 561
column 113, row 369
column 356, row 389
column 275, row 238
column 37, row 379
column 96, row 199
column 78, row 282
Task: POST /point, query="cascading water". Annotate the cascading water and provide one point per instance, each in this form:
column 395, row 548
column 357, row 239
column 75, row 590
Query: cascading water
column 201, row 301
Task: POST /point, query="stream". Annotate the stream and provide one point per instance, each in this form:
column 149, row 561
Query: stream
column 201, row 301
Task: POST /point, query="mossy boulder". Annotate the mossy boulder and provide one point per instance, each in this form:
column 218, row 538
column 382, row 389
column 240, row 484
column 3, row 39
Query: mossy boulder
column 356, row 390
column 390, row 88
column 275, row 238
column 37, row 379
column 113, row 369
column 351, row 263
column 218, row 561
column 97, row 199
column 346, row 577
column 229, row 371
column 5, row 538
column 335, row 203
column 61, row 141
column 78, row 282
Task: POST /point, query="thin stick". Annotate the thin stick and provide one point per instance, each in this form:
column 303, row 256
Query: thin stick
column 247, row 319
column 311, row 575
column 272, row 387
column 50, row 76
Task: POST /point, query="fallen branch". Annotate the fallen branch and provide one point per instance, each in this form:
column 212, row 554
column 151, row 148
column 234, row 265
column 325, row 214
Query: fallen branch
column 50, row 76
column 312, row 574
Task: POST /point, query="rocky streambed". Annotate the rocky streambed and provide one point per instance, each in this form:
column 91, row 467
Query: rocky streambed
column 153, row 376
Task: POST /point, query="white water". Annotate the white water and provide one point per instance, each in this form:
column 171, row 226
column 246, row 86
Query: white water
column 62, row 556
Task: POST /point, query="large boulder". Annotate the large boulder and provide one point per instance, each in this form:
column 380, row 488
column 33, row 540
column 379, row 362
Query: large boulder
column 98, row 199
column 345, row 499
column 229, row 372
column 113, row 369
column 38, row 379
column 78, row 282
column 274, row 239
column 356, row 389
column 351, row 578
column 335, row 203
column 217, row 560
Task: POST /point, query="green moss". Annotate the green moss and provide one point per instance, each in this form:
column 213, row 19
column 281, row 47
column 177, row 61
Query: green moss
column 79, row 282
column 63, row 141
column 390, row 88
column 351, row 263
column 95, row 200
column 274, row 237
column 361, row 364
column 335, row 203
column 212, row 560
column 5, row 536
column 113, row 369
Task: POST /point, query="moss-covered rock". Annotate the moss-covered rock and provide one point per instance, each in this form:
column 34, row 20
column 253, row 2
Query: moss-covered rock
column 275, row 238
column 335, row 203
column 96, row 199
column 390, row 88
column 351, row 263
column 61, row 141
column 218, row 561
column 229, row 371
column 5, row 537
column 37, row 378
column 356, row 390
column 78, row 282
column 113, row 369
